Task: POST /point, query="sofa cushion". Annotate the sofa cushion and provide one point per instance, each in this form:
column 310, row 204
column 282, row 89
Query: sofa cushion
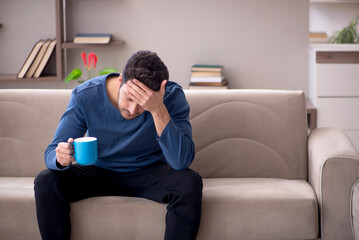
column 29, row 118
column 258, row 208
column 249, row 133
column 17, row 208
column 248, row 208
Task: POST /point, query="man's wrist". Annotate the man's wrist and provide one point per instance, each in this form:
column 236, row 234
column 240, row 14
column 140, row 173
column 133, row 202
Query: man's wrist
column 59, row 165
column 161, row 112
column 161, row 118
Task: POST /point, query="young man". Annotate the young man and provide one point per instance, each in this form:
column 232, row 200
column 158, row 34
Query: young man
column 144, row 149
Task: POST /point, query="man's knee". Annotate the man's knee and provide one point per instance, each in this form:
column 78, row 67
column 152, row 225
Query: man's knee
column 190, row 181
column 47, row 180
column 46, row 175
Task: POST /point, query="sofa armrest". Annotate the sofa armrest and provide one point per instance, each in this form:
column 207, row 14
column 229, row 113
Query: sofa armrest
column 333, row 166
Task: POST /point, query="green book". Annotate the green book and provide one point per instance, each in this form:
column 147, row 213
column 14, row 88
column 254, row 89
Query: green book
column 207, row 68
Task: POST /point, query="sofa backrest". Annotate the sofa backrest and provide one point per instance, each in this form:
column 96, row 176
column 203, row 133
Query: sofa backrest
column 249, row 133
column 237, row 133
column 28, row 120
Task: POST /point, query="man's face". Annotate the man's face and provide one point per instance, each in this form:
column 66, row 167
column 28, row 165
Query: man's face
column 128, row 108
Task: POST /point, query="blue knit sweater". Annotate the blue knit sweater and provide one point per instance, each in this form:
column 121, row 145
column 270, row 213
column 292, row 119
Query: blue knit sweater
column 125, row 145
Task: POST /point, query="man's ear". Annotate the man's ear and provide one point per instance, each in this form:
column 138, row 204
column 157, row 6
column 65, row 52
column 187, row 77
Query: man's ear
column 163, row 86
column 119, row 80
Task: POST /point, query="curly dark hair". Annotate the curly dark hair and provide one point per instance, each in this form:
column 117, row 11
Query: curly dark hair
column 146, row 67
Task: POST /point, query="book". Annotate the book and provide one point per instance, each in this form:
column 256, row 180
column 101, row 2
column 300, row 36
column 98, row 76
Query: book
column 207, row 79
column 224, row 82
column 37, row 59
column 206, row 87
column 207, row 68
column 45, row 59
column 206, row 74
column 92, row 38
column 30, row 58
column 318, row 37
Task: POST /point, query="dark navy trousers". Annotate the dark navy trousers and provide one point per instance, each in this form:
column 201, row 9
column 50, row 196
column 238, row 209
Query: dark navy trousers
column 180, row 189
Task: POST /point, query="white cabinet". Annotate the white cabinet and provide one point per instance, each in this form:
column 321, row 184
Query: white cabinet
column 334, row 86
column 337, row 79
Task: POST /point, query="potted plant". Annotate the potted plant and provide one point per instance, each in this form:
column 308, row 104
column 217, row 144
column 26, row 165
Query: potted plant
column 90, row 67
column 348, row 34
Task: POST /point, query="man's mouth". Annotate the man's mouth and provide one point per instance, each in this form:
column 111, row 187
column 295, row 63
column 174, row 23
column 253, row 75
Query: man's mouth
column 126, row 113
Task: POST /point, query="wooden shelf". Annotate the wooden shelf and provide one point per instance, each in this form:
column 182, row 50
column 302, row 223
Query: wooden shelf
column 13, row 78
column 59, row 51
column 118, row 43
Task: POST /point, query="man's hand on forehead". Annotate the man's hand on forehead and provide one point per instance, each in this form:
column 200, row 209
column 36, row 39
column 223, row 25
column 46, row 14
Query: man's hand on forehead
column 147, row 98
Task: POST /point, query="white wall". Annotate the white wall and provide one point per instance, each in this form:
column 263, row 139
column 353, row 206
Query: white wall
column 332, row 16
column 24, row 23
column 261, row 43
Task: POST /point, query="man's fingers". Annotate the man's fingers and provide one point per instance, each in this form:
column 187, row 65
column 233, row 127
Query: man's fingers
column 65, row 162
column 141, row 85
column 65, row 145
column 130, row 91
column 137, row 88
column 65, row 151
column 133, row 95
column 64, row 159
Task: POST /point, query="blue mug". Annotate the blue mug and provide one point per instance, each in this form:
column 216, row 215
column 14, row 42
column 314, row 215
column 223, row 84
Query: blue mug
column 85, row 149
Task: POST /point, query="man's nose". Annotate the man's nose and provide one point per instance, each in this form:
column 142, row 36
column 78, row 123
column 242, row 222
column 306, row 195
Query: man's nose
column 133, row 108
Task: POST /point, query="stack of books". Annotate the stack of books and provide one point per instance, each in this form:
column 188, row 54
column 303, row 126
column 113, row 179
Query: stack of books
column 318, row 37
column 92, row 38
column 37, row 59
column 207, row 77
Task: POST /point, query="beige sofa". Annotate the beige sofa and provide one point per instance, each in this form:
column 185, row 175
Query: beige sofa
column 264, row 178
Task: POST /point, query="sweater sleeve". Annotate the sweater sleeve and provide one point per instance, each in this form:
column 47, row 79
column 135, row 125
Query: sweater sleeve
column 72, row 125
column 176, row 139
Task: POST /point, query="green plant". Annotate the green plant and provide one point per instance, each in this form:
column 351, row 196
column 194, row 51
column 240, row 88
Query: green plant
column 90, row 69
column 348, row 34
